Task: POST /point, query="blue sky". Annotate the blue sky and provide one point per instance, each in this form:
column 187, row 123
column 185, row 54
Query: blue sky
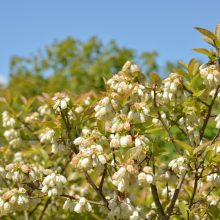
column 162, row 25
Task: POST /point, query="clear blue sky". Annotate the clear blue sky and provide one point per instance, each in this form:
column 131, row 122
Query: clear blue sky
column 162, row 25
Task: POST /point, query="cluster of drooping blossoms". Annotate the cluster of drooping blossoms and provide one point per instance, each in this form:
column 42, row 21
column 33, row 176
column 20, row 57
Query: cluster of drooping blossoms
column 61, row 102
column 191, row 124
column 91, row 153
column 172, row 89
column 47, row 136
column 210, row 74
column 179, row 165
column 12, row 135
column 44, row 110
column 53, row 184
column 121, row 177
column 217, row 119
column 123, row 209
column 16, row 200
column 20, row 198
column 146, row 176
column 82, row 205
column 22, row 173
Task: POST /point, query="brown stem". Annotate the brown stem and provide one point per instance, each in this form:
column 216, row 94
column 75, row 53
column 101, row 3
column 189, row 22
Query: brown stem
column 194, row 190
column 74, row 198
column 44, row 209
column 208, row 113
column 103, row 178
column 98, row 190
column 164, row 123
column 157, row 201
column 175, row 196
column 200, row 100
column 216, row 136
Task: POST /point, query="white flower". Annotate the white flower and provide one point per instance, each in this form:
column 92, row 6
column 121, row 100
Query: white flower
column 217, row 119
column 79, row 109
column 53, row 184
column 102, row 159
column 134, row 68
column 126, row 141
column 82, row 205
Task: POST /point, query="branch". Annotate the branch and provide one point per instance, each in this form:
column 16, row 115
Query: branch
column 164, row 123
column 189, row 91
column 103, row 178
column 98, row 191
column 28, row 128
column 74, row 198
column 44, row 209
column 175, row 195
column 194, row 190
column 157, row 201
column 208, row 113
column 215, row 138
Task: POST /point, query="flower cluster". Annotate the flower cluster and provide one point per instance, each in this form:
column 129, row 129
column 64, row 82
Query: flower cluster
column 122, row 210
column 44, row 110
column 146, row 176
column 79, row 207
column 46, row 135
column 121, row 177
column 91, row 152
column 22, row 173
column 53, row 184
column 178, row 165
column 16, row 200
column 32, row 117
column 12, row 135
column 172, row 88
column 210, row 74
column 7, row 120
column 61, row 102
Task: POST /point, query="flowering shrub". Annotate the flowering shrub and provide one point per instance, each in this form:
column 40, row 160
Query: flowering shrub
column 143, row 149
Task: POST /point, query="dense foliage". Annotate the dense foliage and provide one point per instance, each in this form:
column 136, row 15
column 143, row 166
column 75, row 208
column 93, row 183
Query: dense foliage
column 144, row 148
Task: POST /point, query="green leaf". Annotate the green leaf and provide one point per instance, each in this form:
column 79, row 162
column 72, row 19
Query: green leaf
column 200, row 148
column 101, row 125
column 216, row 159
column 189, row 87
column 183, row 209
column 207, row 33
column 209, row 41
column 185, row 66
column 185, row 146
column 155, row 78
column 154, row 130
column 182, row 73
column 133, row 153
column 199, row 93
column 203, row 51
column 193, row 66
column 217, row 30
column 217, row 43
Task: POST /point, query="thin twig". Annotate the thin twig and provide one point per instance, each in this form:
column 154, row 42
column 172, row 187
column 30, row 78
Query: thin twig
column 44, row 209
column 208, row 113
column 175, row 195
column 74, row 198
column 98, row 191
column 215, row 138
column 103, row 178
column 157, row 201
column 200, row 100
column 164, row 123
